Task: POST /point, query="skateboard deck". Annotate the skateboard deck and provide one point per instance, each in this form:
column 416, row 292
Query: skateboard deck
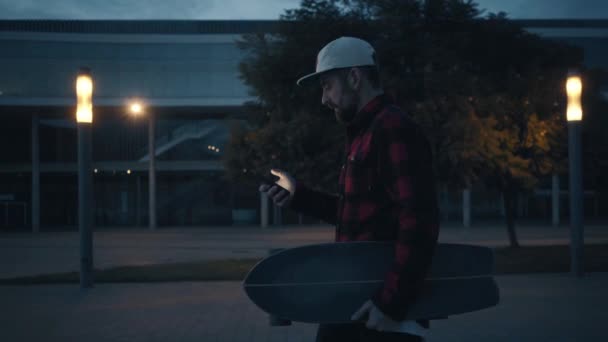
column 327, row 283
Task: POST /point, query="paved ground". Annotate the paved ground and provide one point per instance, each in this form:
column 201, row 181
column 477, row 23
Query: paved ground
column 30, row 254
column 551, row 307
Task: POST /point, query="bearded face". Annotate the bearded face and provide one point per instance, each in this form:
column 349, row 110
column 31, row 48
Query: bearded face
column 339, row 96
column 347, row 110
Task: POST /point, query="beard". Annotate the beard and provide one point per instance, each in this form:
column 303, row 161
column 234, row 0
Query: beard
column 347, row 113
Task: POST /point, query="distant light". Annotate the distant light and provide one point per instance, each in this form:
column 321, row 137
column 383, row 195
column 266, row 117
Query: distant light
column 95, row 170
column 217, row 150
column 574, row 88
column 84, row 94
column 128, row 172
column 136, row 108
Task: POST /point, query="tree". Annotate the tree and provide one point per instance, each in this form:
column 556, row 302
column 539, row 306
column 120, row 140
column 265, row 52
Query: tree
column 521, row 109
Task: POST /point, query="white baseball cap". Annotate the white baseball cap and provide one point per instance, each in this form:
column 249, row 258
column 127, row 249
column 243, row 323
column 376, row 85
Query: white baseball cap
column 344, row 52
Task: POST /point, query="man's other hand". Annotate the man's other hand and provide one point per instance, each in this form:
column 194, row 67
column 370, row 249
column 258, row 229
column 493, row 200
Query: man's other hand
column 375, row 318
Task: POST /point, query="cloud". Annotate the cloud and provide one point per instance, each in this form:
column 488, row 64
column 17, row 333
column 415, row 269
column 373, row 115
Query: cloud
column 150, row 9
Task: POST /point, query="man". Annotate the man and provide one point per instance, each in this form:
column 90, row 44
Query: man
column 387, row 190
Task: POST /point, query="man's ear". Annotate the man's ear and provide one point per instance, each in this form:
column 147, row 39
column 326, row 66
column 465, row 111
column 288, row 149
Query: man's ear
column 354, row 78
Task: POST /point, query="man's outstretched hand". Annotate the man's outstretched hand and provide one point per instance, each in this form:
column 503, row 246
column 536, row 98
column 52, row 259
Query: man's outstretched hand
column 280, row 197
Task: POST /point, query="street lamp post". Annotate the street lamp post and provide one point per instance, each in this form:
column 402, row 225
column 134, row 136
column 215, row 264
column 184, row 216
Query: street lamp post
column 575, row 115
column 137, row 108
column 84, row 119
column 152, row 170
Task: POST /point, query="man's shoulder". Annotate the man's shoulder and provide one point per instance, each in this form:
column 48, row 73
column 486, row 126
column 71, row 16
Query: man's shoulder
column 394, row 124
column 394, row 117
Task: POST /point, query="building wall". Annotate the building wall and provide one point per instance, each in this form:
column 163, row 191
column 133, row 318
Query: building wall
column 33, row 66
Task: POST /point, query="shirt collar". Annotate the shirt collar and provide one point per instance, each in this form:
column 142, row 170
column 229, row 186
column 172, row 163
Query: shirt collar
column 367, row 113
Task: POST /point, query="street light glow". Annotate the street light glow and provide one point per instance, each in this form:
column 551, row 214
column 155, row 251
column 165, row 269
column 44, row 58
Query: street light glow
column 84, row 93
column 574, row 88
column 136, row 108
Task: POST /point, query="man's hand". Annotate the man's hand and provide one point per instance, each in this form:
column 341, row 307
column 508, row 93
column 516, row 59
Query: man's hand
column 375, row 318
column 280, row 197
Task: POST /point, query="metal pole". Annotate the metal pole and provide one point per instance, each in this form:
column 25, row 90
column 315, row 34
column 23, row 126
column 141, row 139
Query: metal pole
column 35, row 175
column 555, row 200
column 85, row 219
column 152, row 170
column 576, row 198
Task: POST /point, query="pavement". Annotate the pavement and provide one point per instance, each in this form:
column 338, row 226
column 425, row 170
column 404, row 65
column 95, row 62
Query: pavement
column 533, row 307
column 548, row 307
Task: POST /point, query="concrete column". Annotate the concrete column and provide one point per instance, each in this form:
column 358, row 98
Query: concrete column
column 278, row 216
column 263, row 210
column 35, row 174
column 152, row 171
column 555, row 200
column 138, row 201
column 445, row 198
column 466, row 207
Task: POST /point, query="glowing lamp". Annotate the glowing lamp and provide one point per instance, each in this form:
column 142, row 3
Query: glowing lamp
column 136, row 108
column 574, row 89
column 84, row 93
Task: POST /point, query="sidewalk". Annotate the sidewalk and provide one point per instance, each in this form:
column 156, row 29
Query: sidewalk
column 549, row 307
column 31, row 254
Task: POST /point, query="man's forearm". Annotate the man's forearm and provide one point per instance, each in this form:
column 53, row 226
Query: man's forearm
column 315, row 203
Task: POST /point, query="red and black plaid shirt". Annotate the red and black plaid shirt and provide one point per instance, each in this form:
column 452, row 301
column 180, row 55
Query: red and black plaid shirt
column 387, row 193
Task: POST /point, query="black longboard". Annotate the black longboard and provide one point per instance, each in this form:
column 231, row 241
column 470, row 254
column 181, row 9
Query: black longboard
column 327, row 283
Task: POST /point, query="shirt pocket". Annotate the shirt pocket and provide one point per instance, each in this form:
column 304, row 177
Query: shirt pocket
column 360, row 178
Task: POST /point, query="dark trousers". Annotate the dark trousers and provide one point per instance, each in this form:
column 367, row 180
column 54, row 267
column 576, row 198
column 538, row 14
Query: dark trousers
column 359, row 333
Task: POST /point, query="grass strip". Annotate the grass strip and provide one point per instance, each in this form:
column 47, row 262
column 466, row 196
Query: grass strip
column 528, row 259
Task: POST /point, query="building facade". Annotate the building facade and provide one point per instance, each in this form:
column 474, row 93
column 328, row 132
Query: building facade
column 185, row 75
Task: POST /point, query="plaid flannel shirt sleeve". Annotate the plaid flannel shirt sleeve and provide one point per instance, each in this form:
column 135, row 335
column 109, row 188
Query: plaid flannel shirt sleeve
column 405, row 164
column 315, row 203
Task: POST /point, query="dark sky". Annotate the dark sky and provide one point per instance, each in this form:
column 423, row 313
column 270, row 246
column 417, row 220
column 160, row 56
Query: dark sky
column 258, row 9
